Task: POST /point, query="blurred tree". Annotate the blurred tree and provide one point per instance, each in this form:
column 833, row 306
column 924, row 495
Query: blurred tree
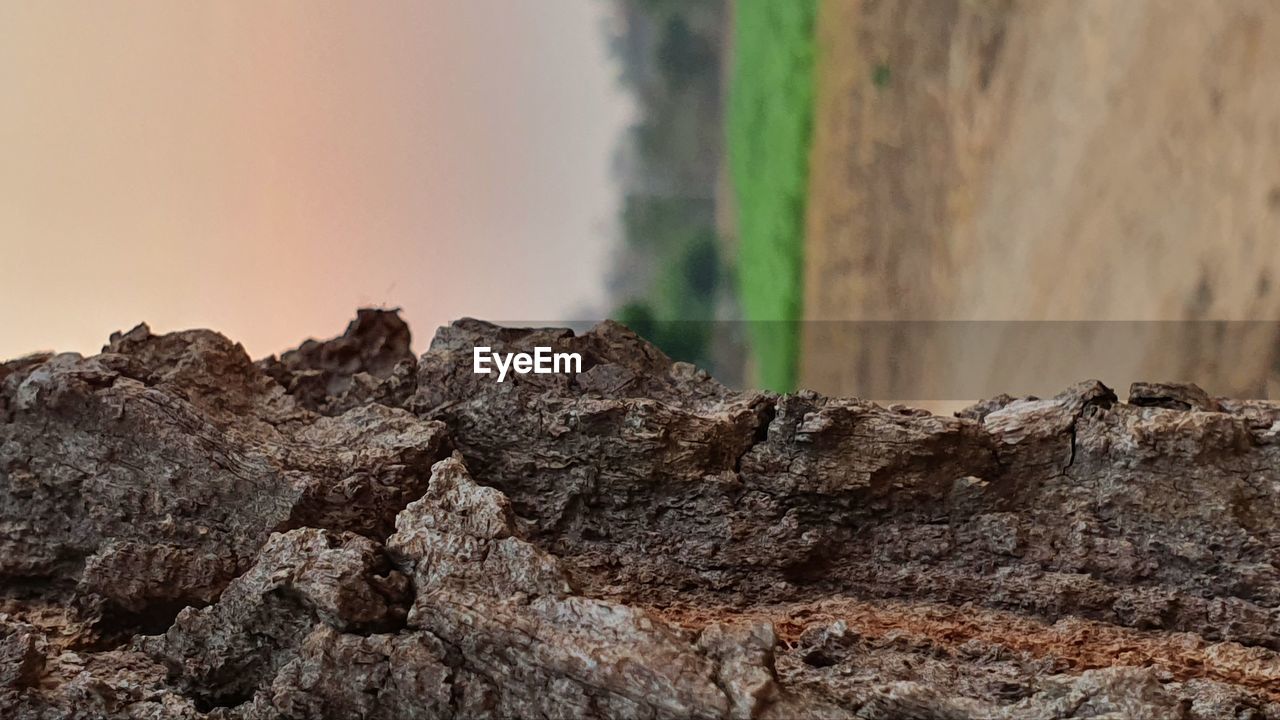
column 702, row 266
column 638, row 316
column 669, row 275
column 684, row 55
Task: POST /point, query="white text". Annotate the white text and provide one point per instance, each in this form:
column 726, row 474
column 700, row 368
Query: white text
column 540, row 362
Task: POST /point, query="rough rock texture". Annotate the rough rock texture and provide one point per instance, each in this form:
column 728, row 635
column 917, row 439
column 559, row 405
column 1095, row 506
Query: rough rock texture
column 348, row 532
column 371, row 361
column 143, row 479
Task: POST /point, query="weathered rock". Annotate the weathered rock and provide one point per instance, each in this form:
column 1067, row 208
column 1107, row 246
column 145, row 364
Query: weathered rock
column 1174, row 396
column 49, row 684
column 664, row 481
column 22, row 655
column 501, row 602
column 145, row 478
column 336, row 675
column 634, row 540
column 303, row 579
column 631, row 464
column 370, row 362
column 494, row 631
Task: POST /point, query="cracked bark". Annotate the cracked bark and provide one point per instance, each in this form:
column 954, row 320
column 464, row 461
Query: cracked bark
column 349, row 531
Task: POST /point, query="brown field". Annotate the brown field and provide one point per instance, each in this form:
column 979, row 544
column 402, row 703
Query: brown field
column 1046, row 160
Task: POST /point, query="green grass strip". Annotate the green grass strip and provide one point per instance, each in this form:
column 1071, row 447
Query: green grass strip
column 770, row 126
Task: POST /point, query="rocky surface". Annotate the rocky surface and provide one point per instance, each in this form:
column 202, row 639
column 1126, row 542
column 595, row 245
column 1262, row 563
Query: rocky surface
column 348, row 531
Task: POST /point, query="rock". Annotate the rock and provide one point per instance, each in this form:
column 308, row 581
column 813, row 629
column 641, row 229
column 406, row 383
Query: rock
column 347, row 532
column 505, row 604
column 668, row 482
column 22, row 655
column 1174, row 396
column 144, row 479
column 370, row 362
column 303, row 579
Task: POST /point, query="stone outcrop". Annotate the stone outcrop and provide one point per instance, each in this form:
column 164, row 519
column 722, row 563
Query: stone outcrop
column 371, row 361
column 351, row 532
column 143, row 479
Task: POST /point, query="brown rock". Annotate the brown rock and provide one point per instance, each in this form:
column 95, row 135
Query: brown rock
column 370, row 362
column 633, row 541
column 144, row 479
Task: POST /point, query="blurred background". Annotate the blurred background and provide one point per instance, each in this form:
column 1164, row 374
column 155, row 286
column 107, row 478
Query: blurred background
column 908, row 199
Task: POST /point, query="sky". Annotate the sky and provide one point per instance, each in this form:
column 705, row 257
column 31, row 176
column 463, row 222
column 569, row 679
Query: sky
column 266, row 168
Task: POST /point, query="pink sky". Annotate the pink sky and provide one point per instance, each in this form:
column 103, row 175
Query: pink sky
column 265, row 168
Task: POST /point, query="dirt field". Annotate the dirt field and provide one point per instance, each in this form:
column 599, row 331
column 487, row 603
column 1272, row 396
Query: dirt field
column 1056, row 160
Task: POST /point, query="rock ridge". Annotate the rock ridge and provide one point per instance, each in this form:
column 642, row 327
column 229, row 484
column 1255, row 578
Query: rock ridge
column 351, row 531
